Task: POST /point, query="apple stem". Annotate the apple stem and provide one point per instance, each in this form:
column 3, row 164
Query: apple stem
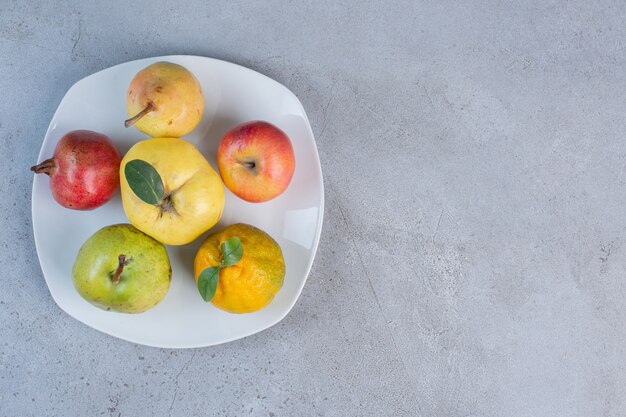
column 249, row 164
column 44, row 168
column 120, row 267
column 139, row 115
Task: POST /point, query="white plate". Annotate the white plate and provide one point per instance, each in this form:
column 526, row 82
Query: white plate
column 233, row 95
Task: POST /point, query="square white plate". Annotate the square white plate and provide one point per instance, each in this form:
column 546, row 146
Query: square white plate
column 233, row 94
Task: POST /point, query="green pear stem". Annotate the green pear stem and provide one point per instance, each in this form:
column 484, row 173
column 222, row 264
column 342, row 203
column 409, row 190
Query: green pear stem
column 44, row 168
column 139, row 115
column 120, row 267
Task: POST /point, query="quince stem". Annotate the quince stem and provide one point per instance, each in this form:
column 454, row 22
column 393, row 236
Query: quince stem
column 166, row 205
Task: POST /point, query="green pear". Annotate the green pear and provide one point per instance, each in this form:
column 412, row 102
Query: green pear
column 122, row 269
column 164, row 100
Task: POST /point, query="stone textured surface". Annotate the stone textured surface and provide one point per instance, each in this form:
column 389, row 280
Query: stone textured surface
column 472, row 259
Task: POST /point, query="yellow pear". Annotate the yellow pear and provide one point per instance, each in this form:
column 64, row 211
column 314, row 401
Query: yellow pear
column 164, row 100
column 170, row 191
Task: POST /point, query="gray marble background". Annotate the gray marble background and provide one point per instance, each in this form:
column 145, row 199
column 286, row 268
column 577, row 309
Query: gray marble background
column 472, row 256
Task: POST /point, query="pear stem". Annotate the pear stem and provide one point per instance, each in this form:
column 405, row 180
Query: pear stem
column 44, row 168
column 139, row 115
column 120, row 267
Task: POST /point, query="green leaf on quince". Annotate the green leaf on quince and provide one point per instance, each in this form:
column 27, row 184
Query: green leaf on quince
column 144, row 180
column 232, row 251
column 207, row 282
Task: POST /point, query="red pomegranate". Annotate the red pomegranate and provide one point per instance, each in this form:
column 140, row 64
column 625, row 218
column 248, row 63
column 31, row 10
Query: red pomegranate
column 84, row 170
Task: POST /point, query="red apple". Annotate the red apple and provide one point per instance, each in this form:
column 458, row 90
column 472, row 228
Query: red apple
column 256, row 161
column 84, row 171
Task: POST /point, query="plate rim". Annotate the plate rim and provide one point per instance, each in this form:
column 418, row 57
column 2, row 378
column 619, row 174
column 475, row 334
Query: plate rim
column 320, row 216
